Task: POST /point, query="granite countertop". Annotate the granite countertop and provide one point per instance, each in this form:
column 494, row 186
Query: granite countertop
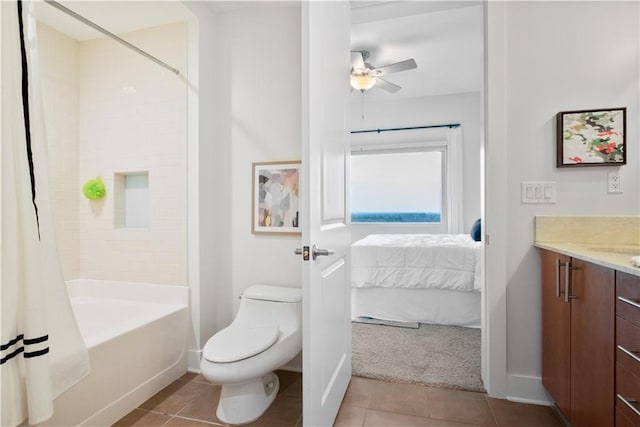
column 615, row 256
column 606, row 241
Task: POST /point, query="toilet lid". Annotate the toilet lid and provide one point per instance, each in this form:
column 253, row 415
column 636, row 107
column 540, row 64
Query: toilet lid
column 239, row 342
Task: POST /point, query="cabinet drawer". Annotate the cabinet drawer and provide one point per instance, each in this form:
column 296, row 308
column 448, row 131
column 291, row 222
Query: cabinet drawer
column 628, row 387
column 628, row 362
column 623, row 421
column 628, row 297
column 628, row 341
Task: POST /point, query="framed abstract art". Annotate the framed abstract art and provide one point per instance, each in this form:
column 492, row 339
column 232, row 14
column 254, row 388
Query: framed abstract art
column 276, row 198
column 591, row 137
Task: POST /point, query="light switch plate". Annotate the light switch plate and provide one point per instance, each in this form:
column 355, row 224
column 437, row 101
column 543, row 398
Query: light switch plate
column 536, row 192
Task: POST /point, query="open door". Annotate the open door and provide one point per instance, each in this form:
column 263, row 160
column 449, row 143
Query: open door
column 326, row 343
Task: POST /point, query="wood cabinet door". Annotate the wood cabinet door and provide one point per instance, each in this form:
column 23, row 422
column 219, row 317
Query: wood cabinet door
column 556, row 337
column 592, row 344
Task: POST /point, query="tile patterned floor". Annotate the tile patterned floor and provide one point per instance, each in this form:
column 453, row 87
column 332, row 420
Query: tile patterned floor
column 191, row 401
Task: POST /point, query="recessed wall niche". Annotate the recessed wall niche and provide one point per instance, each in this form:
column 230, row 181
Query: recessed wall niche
column 131, row 201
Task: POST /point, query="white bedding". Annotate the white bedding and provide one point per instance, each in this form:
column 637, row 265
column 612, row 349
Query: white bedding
column 441, row 261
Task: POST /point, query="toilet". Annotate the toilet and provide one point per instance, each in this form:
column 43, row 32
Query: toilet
column 264, row 336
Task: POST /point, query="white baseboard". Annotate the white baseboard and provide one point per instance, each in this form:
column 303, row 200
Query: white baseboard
column 193, row 361
column 527, row 389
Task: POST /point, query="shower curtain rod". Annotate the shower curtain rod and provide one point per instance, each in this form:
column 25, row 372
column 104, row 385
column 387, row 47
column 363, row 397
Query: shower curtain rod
column 110, row 34
column 450, row 125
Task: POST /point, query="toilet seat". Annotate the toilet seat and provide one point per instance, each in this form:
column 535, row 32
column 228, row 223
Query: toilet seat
column 239, row 342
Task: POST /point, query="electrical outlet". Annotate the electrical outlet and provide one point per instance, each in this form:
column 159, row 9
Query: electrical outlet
column 614, row 182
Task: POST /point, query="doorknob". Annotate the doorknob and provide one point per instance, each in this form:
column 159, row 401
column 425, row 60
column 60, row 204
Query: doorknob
column 315, row 252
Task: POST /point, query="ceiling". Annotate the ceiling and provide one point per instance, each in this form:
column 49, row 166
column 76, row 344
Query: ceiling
column 444, row 38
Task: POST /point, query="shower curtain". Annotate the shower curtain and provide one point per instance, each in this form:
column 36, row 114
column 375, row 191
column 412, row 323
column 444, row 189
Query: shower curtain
column 43, row 353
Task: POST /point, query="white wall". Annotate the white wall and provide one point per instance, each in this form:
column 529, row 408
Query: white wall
column 245, row 94
column 461, row 108
column 556, row 61
column 248, row 97
column 208, row 261
column 260, row 69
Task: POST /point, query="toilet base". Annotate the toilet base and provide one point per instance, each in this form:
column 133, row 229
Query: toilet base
column 246, row 402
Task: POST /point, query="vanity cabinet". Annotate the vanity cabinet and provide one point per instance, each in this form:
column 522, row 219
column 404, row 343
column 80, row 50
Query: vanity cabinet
column 627, row 394
column 578, row 321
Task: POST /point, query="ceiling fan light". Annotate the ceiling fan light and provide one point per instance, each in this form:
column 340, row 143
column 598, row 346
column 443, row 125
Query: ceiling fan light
column 362, row 82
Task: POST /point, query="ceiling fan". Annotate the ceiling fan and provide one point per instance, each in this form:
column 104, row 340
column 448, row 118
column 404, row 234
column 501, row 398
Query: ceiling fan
column 364, row 76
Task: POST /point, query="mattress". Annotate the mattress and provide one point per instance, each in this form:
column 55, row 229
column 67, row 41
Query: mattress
column 417, row 261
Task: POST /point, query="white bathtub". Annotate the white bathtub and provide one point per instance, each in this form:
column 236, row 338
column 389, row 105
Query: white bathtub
column 137, row 337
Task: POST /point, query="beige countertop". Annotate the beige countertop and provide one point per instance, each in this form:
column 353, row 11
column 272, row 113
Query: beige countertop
column 607, row 241
column 615, row 256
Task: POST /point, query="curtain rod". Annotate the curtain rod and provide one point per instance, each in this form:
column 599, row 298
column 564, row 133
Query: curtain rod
column 450, row 125
column 110, row 34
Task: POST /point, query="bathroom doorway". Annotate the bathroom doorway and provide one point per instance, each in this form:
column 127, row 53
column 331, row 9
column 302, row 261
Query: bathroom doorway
column 446, row 88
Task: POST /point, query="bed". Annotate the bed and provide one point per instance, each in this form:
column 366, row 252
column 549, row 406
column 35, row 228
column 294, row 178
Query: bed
column 425, row 278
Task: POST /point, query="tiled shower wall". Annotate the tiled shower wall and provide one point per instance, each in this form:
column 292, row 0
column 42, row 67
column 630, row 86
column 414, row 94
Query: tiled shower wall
column 59, row 69
column 130, row 116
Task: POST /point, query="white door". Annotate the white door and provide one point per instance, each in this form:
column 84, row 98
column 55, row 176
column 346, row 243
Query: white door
column 326, row 343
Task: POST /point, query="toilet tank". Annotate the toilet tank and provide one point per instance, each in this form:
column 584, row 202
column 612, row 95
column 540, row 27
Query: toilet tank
column 276, row 305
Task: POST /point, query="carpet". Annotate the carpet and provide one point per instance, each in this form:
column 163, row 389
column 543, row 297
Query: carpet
column 434, row 355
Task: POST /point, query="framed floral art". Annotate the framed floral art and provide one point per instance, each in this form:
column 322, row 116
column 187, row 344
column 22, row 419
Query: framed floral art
column 591, row 137
column 276, row 198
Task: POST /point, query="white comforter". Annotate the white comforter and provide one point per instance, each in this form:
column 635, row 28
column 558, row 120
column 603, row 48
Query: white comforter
column 442, row 261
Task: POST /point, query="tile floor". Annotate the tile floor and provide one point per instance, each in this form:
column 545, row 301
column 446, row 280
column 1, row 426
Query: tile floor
column 191, row 401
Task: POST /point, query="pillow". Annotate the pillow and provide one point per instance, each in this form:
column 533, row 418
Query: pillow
column 476, row 231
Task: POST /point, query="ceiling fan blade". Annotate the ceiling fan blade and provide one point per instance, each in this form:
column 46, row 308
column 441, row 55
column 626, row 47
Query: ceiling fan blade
column 356, row 60
column 387, row 85
column 408, row 64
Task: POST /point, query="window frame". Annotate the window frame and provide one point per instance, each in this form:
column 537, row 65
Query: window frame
column 419, row 147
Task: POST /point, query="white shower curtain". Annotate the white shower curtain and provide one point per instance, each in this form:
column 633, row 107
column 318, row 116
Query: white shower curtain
column 455, row 175
column 43, row 353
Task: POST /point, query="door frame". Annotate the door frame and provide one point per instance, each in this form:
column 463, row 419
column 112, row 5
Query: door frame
column 494, row 316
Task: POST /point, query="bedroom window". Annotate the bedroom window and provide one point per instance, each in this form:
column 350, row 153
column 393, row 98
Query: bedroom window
column 397, row 186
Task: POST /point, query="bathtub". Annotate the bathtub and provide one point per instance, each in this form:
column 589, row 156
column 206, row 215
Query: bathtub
column 136, row 334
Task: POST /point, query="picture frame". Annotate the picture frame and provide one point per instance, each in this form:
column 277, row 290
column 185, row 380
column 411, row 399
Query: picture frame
column 275, row 197
column 591, row 137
